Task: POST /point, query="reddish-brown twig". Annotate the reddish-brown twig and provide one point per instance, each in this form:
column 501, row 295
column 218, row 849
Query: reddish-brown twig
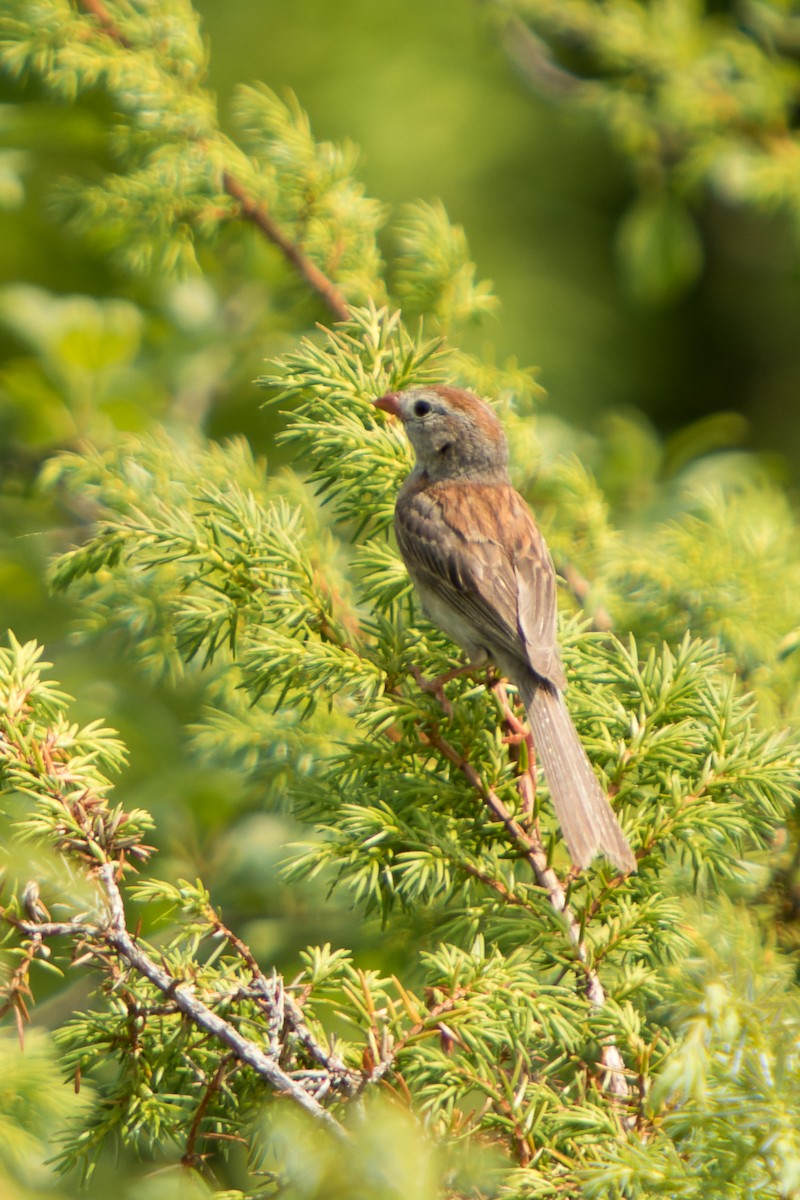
column 529, row 841
column 259, row 216
column 251, row 210
column 106, row 22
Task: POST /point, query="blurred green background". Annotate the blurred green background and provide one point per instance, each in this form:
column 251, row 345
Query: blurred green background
column 433, row 99
column 439, row 110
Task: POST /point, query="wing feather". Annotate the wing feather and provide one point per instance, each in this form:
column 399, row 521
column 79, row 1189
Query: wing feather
column 476, row 549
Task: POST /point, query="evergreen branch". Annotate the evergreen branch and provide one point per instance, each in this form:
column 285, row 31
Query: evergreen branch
column 251, row 210
column 495, row 885
column 113, row 935
column 17, row 988
column 109, row 27
column 61, row 767
column 39, row 931
column 615, row 1081
column 284, row 1011
column 257, row 214
column 535, row 854
column 190, row 1157
column 431, row 1022
column 533, row 58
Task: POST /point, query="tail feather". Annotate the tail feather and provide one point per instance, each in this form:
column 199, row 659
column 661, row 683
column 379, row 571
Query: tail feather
column 587, row 819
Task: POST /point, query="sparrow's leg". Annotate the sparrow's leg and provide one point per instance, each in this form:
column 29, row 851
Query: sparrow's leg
column 436, row 686
column 526, row 780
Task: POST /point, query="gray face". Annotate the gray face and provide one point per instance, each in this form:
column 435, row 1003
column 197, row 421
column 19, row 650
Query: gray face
column 450, row 441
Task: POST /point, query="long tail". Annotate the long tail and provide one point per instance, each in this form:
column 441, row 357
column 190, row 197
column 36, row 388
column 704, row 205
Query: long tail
column 587, row 819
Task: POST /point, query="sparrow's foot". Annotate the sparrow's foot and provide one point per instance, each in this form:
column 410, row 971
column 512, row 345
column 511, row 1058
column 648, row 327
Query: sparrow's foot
column 518, row 734
column 436, row 686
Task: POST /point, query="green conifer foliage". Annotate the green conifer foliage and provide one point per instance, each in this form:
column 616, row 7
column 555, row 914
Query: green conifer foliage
column 544, row 1032
column 701, row 99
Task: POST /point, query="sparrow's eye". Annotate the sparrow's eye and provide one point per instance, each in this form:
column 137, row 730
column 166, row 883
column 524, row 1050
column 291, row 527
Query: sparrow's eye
column 422, row 408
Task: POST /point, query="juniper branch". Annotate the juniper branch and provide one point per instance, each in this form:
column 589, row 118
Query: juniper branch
column 615, row 1081
column 109, row 27
column 251, row 210
column 431, row 1022
column 117, row 936
column 535, row 854
column 39, row 931
column 495, row 885
column 258, row 215
column 283, row 1010
column 190, row 1157
column 113, row 935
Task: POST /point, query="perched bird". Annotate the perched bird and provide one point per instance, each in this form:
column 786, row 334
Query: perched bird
column 485, row 576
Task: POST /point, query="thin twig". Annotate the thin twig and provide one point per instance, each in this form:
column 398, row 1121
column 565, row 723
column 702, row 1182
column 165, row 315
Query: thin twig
column 114, row 934
column 107, row 23
column 495, row 885
column 117, row 935
column 282, row 1010
column 429, row 1024
column 615, row 1081
column 49, row 929
column 190, row 1157
column 101, row 940
column 251, row 210
column 259, row 216
column 533, row 58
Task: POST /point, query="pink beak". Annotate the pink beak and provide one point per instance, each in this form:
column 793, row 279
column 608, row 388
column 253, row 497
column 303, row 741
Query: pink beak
column 389, row 403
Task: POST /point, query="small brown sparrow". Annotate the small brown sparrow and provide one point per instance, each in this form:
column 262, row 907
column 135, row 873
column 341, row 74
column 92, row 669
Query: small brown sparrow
column 485, row 576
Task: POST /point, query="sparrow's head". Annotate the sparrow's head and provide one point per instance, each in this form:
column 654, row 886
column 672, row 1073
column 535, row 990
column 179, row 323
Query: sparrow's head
column 454, row 434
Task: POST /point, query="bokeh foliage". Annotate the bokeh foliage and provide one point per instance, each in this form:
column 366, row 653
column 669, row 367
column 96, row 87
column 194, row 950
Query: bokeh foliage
column 264, row 638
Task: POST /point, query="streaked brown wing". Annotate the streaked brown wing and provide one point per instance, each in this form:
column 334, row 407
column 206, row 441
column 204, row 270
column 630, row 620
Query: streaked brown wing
column 536, row 598
column 497, row 576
